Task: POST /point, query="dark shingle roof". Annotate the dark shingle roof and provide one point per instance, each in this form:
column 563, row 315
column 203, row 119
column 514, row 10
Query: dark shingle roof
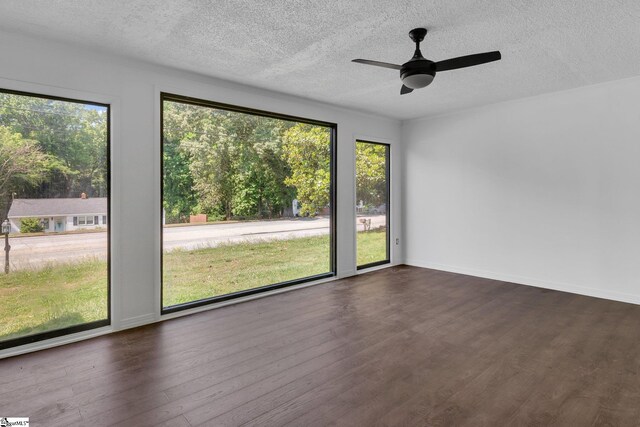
column 57, row 207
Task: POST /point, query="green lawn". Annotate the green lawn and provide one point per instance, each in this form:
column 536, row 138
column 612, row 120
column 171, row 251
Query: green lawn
column 52, row 298
column 204, row 273
column 60, row 296
column 372, row 246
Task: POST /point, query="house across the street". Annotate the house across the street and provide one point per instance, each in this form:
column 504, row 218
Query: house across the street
column 57, row 215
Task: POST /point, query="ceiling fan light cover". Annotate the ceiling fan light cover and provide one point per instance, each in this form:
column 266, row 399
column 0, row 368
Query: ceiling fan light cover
column 417, row 81
column 419, row 72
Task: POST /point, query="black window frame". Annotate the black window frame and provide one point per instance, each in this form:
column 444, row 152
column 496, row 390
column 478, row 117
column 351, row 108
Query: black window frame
column 165, row 96
column 42, row 336
column 387, row 178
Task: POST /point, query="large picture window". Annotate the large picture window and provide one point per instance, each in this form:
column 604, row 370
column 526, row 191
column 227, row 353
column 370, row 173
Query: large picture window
column 54, row 182
column 372, row 204
column 248, row 201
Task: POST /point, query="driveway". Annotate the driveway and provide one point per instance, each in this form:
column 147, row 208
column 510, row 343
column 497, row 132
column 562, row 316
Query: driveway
column 41, row 250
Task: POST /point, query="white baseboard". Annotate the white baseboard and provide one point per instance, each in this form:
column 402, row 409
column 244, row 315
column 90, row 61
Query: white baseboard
column 346, row 273
column 529, row 281
column 375, row 268
column 135, row 321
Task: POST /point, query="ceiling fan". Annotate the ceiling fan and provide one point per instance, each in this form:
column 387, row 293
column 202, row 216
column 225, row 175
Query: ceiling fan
column 419, row 72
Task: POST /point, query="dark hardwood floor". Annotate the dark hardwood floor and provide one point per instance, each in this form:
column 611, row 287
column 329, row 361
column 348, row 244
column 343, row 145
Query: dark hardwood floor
column 400, row 346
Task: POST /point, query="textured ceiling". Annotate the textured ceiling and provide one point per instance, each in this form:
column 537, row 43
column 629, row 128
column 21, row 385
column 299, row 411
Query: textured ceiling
column 304, row 48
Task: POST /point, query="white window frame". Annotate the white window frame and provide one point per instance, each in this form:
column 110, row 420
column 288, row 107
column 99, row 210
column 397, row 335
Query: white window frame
column 86, row 220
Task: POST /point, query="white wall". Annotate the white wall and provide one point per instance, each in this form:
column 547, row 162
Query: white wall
column 542, row 191
column 133, row 90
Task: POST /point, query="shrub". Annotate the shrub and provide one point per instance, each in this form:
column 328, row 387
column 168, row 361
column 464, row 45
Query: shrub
column 30, row 225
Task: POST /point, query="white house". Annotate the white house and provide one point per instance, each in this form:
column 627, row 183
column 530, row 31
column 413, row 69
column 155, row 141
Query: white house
column 57, row 215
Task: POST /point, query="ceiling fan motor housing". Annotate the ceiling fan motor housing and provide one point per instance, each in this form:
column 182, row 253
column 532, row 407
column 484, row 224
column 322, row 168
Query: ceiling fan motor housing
column 418, row 73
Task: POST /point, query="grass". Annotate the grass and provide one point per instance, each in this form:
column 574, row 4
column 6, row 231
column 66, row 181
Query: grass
column 204, row 273
column 53, row 297
column 65, row 295
column 371, row 246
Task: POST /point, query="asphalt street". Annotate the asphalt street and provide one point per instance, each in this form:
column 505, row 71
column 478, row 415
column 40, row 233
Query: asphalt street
column 65, row 248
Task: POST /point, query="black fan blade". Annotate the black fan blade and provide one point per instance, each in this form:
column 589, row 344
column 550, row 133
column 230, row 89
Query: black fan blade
column 377, row 63
column 467, row 61
column 405, row 89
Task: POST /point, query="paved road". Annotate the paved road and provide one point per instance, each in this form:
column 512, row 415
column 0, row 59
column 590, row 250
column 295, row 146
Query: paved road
column 37, row 251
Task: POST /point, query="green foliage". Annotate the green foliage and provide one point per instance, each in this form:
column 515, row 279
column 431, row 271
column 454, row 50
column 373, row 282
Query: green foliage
column 371, row 184
column 179, row 199
column 30, row 225
column 307, row 150
column 224, row 164
column 209, row 148
column 23, row 165
column 22, row 160
column 69, row 133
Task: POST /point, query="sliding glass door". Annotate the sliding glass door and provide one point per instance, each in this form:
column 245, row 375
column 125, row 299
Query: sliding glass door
column 54, row 210
column 372, row 204
column 248, row 201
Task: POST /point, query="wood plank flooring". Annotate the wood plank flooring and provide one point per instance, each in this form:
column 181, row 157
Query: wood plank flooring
column 401, row 346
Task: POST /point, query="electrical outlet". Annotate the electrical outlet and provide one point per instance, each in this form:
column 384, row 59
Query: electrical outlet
column 397, row 240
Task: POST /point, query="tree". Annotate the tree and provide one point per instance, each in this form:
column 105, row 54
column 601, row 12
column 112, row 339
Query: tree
column 22, row 165
column 260, row 188
column 74, row 133
column 222, row 163
column 211, row 165
column 307, row 150
column 179, row 197
column 371, row 179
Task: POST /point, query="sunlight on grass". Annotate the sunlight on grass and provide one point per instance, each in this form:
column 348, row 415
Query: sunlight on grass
column 204, row 273
column 51, row 298
column 372, row 246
